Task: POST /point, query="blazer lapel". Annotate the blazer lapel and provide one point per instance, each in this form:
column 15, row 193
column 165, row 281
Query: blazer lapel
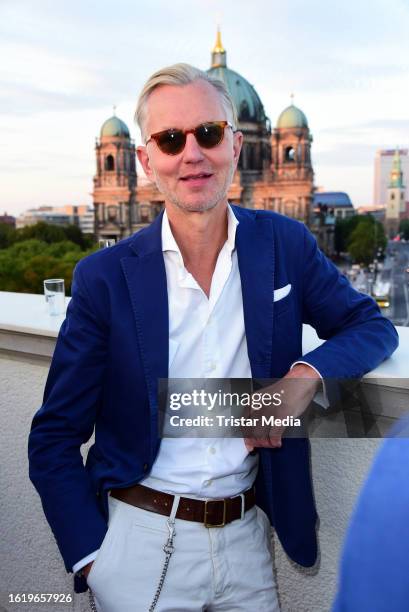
column 255, row 251
column 145, row 275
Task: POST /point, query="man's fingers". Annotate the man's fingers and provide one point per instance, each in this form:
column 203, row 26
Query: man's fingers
column 252, row 443
column 87, row 568
column 249, row 444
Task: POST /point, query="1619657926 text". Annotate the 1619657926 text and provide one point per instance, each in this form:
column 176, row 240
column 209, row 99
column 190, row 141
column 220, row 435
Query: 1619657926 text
column 40, row 598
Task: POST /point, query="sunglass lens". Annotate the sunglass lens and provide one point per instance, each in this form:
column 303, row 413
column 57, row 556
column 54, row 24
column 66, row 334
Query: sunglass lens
column 209, row 135
column 171, row 142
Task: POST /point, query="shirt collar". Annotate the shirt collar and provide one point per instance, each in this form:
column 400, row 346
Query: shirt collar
column 169, row 243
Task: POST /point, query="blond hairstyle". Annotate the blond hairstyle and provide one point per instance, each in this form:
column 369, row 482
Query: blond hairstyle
column 181, row 74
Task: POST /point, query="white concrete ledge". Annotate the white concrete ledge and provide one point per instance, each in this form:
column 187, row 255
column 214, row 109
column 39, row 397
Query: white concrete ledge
column 29, row 332
column 26, row 327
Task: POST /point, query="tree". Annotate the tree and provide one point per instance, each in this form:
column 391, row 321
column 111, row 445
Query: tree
column 404, row 229
column 343, row 231
column 7, row 235
column 75, row 234
column 41, row 231
column 25, row 265
column 366, row 239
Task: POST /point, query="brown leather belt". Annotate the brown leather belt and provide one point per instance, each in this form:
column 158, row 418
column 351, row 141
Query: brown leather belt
column 212, row 512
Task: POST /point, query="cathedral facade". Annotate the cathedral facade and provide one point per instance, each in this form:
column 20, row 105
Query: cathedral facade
column 274, row 170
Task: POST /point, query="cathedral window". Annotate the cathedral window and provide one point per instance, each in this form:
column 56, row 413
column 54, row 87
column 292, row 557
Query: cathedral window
column 144, row 213
column 109, row 163
column 289, row 154
column 244, row 113
column 251, row 157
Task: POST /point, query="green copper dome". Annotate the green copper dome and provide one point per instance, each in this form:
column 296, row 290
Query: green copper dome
column 114, row 127
column 292, row 117
column 248, row 104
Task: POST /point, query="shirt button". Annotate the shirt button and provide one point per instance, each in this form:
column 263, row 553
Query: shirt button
column 212, row 366
column 212, row 450
column 207, row 483
column 145, row 467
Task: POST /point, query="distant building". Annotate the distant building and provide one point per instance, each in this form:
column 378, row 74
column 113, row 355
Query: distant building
column 114, row 195
column 8, row 219
column 383, row 167
column 82, row 215
column 336, row 203
column 328, row 206
column 396, row 201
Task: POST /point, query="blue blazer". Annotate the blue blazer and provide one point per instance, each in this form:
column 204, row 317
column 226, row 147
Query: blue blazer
column 113, row 347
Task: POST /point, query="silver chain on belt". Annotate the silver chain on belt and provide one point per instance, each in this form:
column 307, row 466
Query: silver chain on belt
column 92, row 601
column 168, row 549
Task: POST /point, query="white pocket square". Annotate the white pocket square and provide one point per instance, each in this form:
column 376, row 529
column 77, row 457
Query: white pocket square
column 281, row 293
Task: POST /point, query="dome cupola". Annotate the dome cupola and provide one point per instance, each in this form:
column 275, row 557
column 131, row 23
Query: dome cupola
column 247, row 102
column 292, row 117
column 114, row 126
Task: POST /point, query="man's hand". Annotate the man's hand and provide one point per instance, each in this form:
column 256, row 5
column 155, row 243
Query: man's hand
column 296, row 390
column 87, row 568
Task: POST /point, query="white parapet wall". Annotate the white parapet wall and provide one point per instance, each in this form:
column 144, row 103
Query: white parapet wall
column 29, row 558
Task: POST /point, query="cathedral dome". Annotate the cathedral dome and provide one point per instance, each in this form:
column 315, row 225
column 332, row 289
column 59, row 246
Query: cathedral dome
column 292, row 117
column 114, row 127
column 248, row 104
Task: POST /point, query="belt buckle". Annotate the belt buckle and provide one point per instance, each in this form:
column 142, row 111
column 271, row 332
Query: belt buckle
column 212, row 501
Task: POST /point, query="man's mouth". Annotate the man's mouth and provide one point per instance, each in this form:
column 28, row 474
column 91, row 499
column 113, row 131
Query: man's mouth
column 199, row 176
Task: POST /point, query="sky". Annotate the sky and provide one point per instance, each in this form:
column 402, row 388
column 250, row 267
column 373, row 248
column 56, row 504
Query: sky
column 64, row 64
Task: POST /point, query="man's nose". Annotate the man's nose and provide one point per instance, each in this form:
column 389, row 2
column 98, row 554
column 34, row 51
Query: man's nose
column 192, row 152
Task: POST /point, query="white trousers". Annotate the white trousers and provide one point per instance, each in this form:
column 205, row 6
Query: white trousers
column 218, row 569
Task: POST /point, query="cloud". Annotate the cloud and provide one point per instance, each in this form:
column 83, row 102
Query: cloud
column 344, row 155
column 68, row 62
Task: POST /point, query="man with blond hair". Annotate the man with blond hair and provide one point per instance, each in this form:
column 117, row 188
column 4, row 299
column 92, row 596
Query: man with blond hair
column 208, row 290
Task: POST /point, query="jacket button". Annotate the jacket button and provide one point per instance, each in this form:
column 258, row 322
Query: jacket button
column 145, row 467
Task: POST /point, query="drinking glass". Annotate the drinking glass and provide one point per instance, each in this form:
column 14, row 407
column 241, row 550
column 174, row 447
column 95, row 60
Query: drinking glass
column 54, row 291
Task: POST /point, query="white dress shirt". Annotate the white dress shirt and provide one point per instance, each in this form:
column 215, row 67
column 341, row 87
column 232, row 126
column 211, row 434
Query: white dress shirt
column 206, row 340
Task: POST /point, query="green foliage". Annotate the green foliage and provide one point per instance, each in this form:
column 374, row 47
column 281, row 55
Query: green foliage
column 74, row 234
column 343, row 231
column 404, row 229
column 46, row 233
column 366, row 239
column 41, row 231
column 32, row 254
column 6, row 235
column 60, row 249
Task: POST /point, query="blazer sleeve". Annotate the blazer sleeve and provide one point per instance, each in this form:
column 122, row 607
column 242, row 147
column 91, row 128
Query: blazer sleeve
column 358, row 337
column 64, row 422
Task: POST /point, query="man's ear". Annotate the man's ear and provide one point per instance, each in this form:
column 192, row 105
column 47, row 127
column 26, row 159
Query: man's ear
column 237, row 144
column 143, row 158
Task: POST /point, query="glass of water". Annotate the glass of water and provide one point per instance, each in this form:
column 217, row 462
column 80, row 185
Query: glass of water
column 54, row 291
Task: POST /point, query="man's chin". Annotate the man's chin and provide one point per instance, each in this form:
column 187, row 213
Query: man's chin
column 198, row 207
